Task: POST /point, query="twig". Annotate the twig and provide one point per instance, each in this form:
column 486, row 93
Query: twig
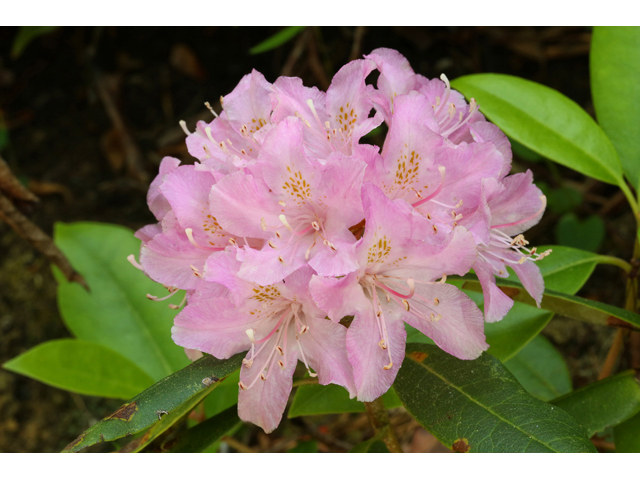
column 305, row 381
column 10, row 185
column 316, row 66
column 356, row 47
column 380, row 420
column 40, row 240
column 300, row 45
column 133, row 157
column 612, row 355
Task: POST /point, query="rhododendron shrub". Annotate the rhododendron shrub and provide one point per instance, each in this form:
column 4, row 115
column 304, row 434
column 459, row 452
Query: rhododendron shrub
column 286, row 224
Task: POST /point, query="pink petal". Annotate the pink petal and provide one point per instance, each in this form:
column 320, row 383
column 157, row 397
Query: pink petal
column 157, row 203
column 249, row 104
column 496, row 303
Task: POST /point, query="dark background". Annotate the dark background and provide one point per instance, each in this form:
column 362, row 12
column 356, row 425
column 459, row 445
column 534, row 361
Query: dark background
column 87, row 163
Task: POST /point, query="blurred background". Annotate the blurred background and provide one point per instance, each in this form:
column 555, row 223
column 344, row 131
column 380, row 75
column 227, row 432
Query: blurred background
column 86, row 115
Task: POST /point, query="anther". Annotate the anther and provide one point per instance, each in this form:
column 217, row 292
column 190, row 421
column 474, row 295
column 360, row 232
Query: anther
column 382, row 344
column 315, row 226
column 271, row 244
column 233, row 242
column 388, row 367
column 183, row 125
column 283, row 203
column 242, row 386
column 280, row 351
column 304, row 329
column 436, row 301
column 280, row 259
column 263, row 377
column 250, row 333
column 208, row 105
column 435, row 229
column 443, row 279
column 278, row 234
column 247, row 363
column 406, row 305
column 196, row 272
column 281, row 363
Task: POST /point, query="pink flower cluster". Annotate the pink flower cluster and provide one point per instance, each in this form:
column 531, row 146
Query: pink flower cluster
column 286, row 224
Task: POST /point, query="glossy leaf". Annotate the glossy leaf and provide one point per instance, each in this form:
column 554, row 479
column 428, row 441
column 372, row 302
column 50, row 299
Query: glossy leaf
column 373, row 445
column 81, row 367
column 545, row 121
column 615, row 69
column 605, row 403
column 627, row 435
column 567, row 269
column 566, row 305
column 25, row 36
column 197, row 439
column 280, row 38
column 170, row 399
column 540, row 369
column 478, row 406
column 326, row 399
column 116, row 313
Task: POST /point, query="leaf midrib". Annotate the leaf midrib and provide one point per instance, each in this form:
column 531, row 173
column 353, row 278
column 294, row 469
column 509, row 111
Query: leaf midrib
column 445, row 380
column 106, row 267
column 547, row 131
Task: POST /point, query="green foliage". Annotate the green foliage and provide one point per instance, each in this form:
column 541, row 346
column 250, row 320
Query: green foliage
column 373, row 445
column 605, row 403
column 199, row 438
column 326, row 399
column 82, row 367
column 567, row 269
column 161, row 405
column 563, row 200
column 478, row 406
column 567, row 305
column 274, row 41
column 540, row 369
column 116, row 312
column 627, row 435
column 226, row 395
column 25, row 36
column 587, row 234
column 615, row 70
column 546, row 122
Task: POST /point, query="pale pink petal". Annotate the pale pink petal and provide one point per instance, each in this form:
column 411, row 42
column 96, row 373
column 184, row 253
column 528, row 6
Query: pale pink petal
column 496, row 303
column 157, row 203
column 460, row 329
column 249, row 104
column 531, row 278
column 339, row 297
column 192, row 354
column 325, row 350
column 488, row 132
column 265, row 401
column 368, row 359
column 240, row 202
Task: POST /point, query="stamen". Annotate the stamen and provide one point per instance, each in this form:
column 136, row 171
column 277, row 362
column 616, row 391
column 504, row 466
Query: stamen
column 442, row 170
column 443, row 279
column 283, row 219
column 280, row 259
column 247, row 363
column 207, row 130
column 283, row 203
column 406, row 305
column 388, row 367
column 382, row 344
column 183, row 125
column 196, row 272
column 436, row 301
column 156, row 299
column 242, row 386
column 271, row 244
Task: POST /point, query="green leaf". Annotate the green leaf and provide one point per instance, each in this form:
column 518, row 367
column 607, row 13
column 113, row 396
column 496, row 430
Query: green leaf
column 116, row 313
column 224, row 397
column 567, row 269
column 587, row 234
column 310, row 446
column 627, row 435
column 197, row 439
column 545, row 121
column 478, row 406
column 540, row 369
column 280, row 38
column 82, row 367
column 328, row 399
column 615, row 70
column 560, row 303
column 176, row 395
column 370, row 446
column 25, row 36
column 605, row 403
column 523, row 152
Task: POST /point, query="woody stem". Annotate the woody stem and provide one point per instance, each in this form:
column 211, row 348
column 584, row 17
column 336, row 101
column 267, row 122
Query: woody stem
column 379, row 419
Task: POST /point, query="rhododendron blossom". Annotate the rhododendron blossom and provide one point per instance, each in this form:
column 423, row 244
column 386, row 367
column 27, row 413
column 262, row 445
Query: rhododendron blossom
column 286, row 224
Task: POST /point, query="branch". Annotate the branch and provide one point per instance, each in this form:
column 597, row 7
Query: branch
column 380, row 421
